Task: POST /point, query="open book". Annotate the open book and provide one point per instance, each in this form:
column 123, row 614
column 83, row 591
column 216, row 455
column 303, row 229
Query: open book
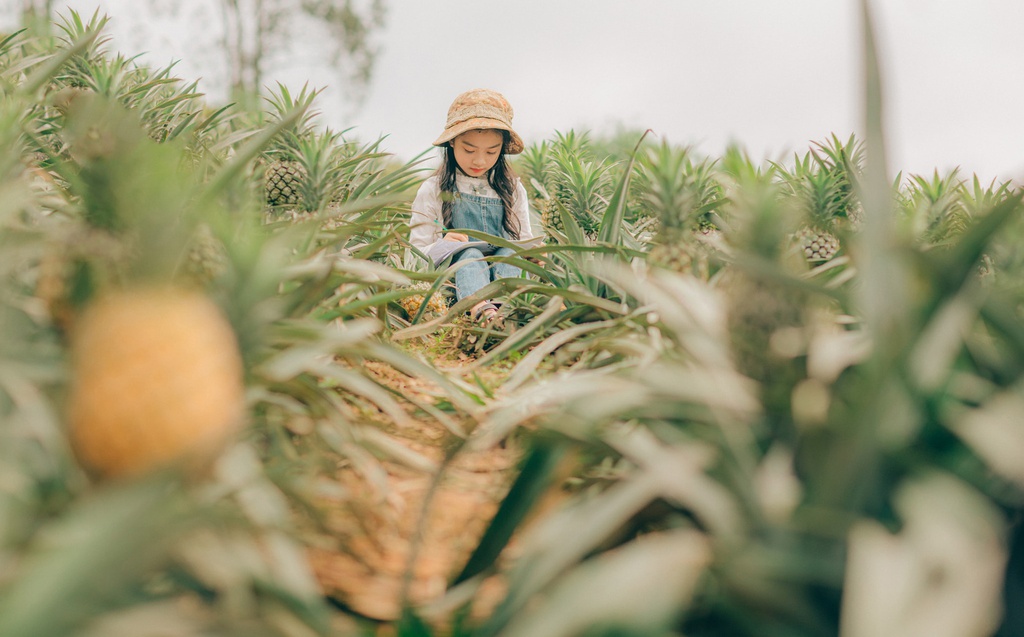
column 445, row 248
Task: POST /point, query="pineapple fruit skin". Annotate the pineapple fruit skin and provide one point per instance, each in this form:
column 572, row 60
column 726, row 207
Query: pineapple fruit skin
column 283, row 183
column 156, row 378
column 411, row 304
column 818, row 246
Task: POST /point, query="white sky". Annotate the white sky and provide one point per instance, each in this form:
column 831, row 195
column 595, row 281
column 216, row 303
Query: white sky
column 772, row 76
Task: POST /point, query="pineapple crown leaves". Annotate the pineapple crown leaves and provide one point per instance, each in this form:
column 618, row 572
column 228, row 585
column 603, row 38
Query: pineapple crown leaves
column 819, row 194
column 534, row 163
column 336, row 169
column 282, row 103
column 29, row 72
column 978, row 199
column 573, row 143
column 756, row 217
column 934, row 209
column 88, row 58
column 613, row 222
column 951, row 268
column 581, row 187
column 823, row 182
column 132, row 188
column 678, row 191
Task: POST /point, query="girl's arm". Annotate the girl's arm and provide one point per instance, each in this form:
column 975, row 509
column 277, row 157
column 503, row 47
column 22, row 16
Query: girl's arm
column 521, row 208
column 425, row 223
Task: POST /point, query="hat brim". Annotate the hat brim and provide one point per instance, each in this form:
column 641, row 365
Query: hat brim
column 515, row 142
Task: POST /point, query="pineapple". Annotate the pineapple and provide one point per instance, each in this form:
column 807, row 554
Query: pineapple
column 550, row 218
column 817, row 245
column 156, row 378
column 417, row 292
column 207, row 258
column 283, row 183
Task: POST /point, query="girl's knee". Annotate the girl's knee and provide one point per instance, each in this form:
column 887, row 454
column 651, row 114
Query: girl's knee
column 506, row 271
column 469, row 253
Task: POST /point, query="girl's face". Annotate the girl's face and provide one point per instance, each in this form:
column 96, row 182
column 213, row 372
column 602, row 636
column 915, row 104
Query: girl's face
column 477, row 151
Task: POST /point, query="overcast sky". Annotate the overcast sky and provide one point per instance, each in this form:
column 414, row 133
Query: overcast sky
column 771, row 76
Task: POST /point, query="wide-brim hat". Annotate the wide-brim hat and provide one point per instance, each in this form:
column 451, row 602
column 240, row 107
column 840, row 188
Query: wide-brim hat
column 480, row 108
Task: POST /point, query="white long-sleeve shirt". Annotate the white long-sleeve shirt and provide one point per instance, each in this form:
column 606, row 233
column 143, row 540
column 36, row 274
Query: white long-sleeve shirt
column 426, row 223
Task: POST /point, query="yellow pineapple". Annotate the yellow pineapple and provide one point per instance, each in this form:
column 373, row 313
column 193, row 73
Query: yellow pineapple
column 437, row 305
column 156, row 378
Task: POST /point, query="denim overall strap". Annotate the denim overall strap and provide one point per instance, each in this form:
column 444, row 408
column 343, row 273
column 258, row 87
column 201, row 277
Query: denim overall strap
column 474, row 212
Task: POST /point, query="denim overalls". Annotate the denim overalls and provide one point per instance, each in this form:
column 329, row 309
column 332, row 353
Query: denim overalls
column 474, row 212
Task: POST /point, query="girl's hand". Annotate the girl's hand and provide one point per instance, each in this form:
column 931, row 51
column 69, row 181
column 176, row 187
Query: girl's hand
column 456, row 236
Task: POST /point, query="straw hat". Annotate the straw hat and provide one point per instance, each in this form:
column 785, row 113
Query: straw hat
column 480, row 108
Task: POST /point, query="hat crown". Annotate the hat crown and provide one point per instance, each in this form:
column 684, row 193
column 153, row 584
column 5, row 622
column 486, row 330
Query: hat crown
column 479, row 102
column 481, row 108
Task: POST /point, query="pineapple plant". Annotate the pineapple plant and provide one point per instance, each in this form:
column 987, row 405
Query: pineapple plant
column 581, row 189
column 765, row 305
column 534, row 164
column 681, row 195
column 580, row 185
column 822, row 186
column 307, row 169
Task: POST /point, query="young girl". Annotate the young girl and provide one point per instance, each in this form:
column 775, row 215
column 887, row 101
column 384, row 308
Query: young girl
column 475, row 189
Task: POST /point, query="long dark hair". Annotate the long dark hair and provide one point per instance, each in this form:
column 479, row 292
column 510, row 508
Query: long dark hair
column 501, row 178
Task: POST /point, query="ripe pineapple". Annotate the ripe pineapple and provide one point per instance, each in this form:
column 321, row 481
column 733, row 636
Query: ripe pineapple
column 283, row 183
column 411, row 303
column 156, row 378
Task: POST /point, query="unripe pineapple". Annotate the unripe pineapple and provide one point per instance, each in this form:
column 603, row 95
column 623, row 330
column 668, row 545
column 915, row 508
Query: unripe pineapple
column 411, row 304
column 550, row 218
column 156, row 378
column 283, row 183
column 817, row 245
column 207, row 258
column 677, row 196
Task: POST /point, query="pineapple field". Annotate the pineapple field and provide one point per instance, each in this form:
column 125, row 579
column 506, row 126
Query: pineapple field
column 727, row 396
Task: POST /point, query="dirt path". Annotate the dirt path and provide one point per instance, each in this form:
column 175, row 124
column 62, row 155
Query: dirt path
column 363, row 557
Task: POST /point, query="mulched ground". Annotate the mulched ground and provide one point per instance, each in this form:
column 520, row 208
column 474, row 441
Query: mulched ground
column 363, row 557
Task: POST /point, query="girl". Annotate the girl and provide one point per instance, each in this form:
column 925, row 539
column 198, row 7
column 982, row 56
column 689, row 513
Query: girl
column 475, row 189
